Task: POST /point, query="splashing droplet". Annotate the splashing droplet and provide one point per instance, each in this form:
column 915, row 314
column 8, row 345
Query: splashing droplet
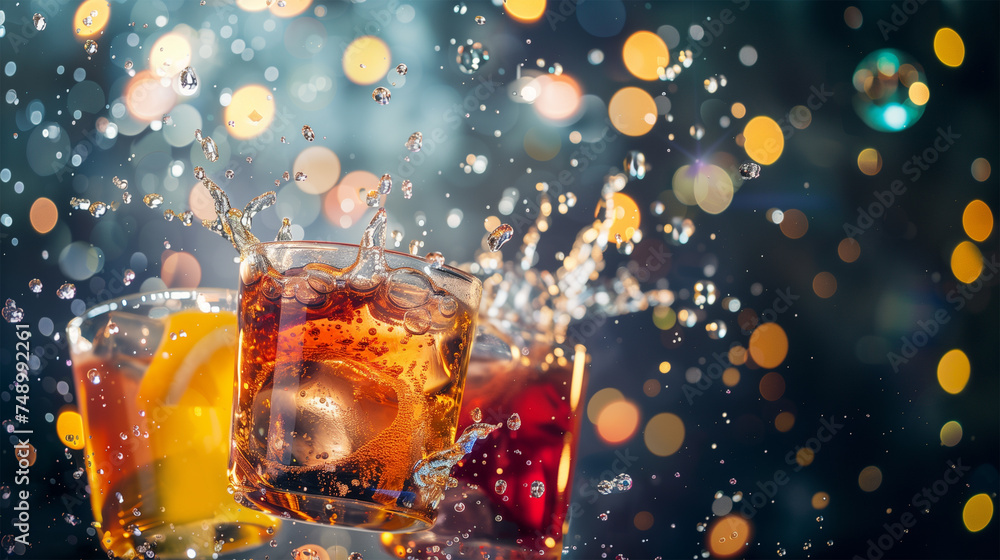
column 407, row 188
column 128, row 276
column 514, row 422
column 98, row 209
column 537, row 489
column 90, row 47
column 436, row 260
column 372, row 198
column 35, row 285
column 749, row 171
column 501, row 486
column 502, row 234
column 480, row 20
column 415, row 142
column 210, row 149
column 153, row 200
column 385, row 184
column 39, row 21
column 381, row 96
column 11, row 312
column 66, row 291
column 307, row 133
column 187, row 81
column 300, row 176
column 476, row 414
column 94, row 376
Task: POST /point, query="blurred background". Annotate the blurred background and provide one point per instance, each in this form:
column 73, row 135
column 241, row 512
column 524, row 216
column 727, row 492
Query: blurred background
column 812, row 182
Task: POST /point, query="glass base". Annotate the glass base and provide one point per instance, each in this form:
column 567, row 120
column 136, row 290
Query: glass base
column 329, row 510
column 168, row 540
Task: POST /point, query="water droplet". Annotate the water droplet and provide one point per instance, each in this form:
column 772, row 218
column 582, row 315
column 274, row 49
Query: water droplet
column 187, row 81
column 230, row 174
column 385, row 184
column 250, row 159
column 169, row 215
column 401, row 69
column 470, row 58
column 128, row 276
column 355, row 556
column 537, row 489
column 603, row 516
column 415, row 142
column 415, row 246
column 307, row 133
column 300, row 176
column 514, row 422
column 39, row 21
column 128, row 64
column 199, row 173
column 94, row 376
column 435, row 259
column 71, row 519
column 11, row 312
column 732, row 481
column 605, row 487
column 381, row 95
column 501, row 486
column 90, row 47
column 459, row 507
column 749, row 170
column 460, row 8
column 476, row 414
column 153, row 200
column 66, row 291
column 480, row 20
column 407, row 188
column 623, row 482
column 502, row 234
column 210, row 149
column 35, row 285
column 371, row 199
column 127, row 197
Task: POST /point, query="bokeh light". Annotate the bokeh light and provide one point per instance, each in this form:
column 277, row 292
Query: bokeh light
column 772, row 386
column 341, row 204
column 321, row 167
column 794, row 223
column 951, row 433
column 981, row 169
column 146, row 98
column 600, row 400
column 820, row 500
column 953, row 371
column 618, row 422
column 69, row 426
column 250, row 111
column 626, row 216
column 768, row 345
column 525, row 10
column 966, row 262
column 170, row 54
column 824, row 285
column 853, row 17
column 181, row 270
column 728, row 536
column 763, row 140
column 977, row 220
column 632, row 111
column 664, row 434
column 784, row 422
column 870, row 478
column 645, row 55
column 849, row 250
column 978, row 512
column 43, row 215
column 559, row 98
column 883, row 80
column 949, row 47
column 366, row 60
column 97, row 22
column 870, row 161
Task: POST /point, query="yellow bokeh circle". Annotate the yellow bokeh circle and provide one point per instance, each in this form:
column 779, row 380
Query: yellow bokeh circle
column 632, row 111
column 250, row 111
column 763, row 140
column 645, row 55
column 366, row 60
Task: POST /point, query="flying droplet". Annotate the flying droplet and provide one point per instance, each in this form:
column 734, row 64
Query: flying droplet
column 128, row 64
column 372, row 199
column 461, row 8
column 501, row 486
column 169, row 215
column 79, row 203
column 98, row 209
column 210, row 149
column 300, row 176
column 39, row 21
column 90, row 47
column 307, row 133
column 127, row 197
column 385, row 184
column 197, row 135
column 415, row 246
column 94, row 376
column 407, row 188
column 476, row 414
column 35, row 285
column 111, row 328
column 66, row 291
column 128, row 276
column 11, row 312
column 401, row 69
column 537, row 489
column 230, row 174
column 749, row 171
column 602, row 516
column 415, row 142
column 502, row 234
column 381, row 95
column 514, row 422
column 153, row 200
column 623, row 482
column 199, row 173
column 480, row 20
column 187, row 81
column 459, row 507
column 605, row 487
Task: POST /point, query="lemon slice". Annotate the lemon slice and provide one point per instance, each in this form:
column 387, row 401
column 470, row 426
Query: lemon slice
column 192, row 370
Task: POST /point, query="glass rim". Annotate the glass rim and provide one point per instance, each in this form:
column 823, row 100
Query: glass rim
column 74, row 325
column 306, row 244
